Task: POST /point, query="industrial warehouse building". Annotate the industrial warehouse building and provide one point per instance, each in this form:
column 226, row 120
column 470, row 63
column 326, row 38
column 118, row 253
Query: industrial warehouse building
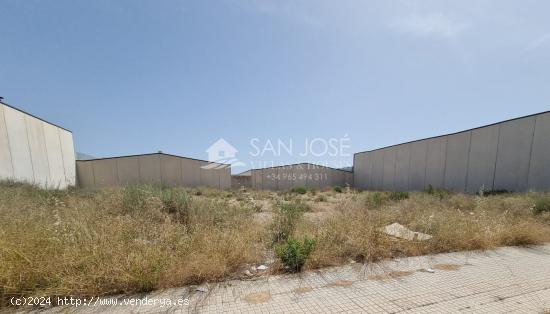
column 290, row 176
column 35, row 151
column 158, row 168
column 513, row 155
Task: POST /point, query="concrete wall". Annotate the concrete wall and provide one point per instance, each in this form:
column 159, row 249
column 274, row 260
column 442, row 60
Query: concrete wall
column 161, row 169
column 308, row 175
column 241, row 181
column 513, row 155
column 35, row 151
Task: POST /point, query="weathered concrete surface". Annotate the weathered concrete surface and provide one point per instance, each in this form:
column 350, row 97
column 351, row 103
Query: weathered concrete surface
column 19, row 145
column 435, row 162
column 507, row 280
column 388, row 174
column 456, row 166
column 510, row 155
column 69, row 156
column 55, row 157
column 483, row 155
column 6, row 167
column 161, row 169
column 539, row 172
column 402, row 167
column 514, row 154
column 35, row 151
column 417, row 170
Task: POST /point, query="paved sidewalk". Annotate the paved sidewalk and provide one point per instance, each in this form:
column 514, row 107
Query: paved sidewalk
column 507, row 280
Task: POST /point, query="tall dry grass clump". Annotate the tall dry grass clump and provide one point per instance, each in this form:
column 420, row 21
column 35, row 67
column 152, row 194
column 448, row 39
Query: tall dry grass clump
column 456, row 222
column 135, row 239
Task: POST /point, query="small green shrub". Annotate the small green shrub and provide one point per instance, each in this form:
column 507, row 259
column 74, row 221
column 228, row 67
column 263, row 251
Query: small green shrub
column 294, row 254
column 398, row 196
column 287, row 216
column 338, row 189
column 134, row 197
column 299, row 190
column 376, row 199
column 176, row 203
column 542, row 205
column 439, row 193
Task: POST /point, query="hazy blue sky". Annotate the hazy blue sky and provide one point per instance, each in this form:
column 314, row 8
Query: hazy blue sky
column 137, row 76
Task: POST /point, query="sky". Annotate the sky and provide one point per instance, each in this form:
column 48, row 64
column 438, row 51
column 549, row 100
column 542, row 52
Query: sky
column 139, row 76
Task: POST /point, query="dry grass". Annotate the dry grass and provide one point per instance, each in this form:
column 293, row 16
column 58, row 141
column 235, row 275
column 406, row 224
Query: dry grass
column 78, row 243
column 143, row 238
column 456, row 222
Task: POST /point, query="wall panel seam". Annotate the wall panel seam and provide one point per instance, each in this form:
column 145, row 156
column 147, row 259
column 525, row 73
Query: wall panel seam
column 468, row 162
column 531, row 152
column 63, row 157
column 9, row 144
column 29, row 147
column 496, row 158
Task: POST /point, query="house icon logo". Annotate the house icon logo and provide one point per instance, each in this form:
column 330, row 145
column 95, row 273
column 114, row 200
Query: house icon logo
column 221, row 152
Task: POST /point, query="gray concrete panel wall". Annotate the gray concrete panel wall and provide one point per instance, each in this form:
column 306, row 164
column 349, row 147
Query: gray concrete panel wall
column 225, row 178
column 6, row 166
column 69, row 156
column 378, row 171
column 160, row 169
column 19, row 145
column 270, row 178
column 286, row 177
column 55, row 157
column 241, row 181
column 362, row 164
column 149, row 169
column 301, row 177
column 510, row 155
column 191, row 172
column 417, row 168
column 105, row 173
column 402, row 167
column 483, row 155
column 31, row 150
column 514, row 151
column 435, row 162
column 39, row 154
column 539, row 172
column 127, row 170
column 388, row 176
column 456, row 165
column 170, row 168
column 209, row 176
column 85, row 175
column 349, row 179
column 257, row 179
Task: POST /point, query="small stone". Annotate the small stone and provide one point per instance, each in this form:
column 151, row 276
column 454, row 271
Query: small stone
column 262, row 267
